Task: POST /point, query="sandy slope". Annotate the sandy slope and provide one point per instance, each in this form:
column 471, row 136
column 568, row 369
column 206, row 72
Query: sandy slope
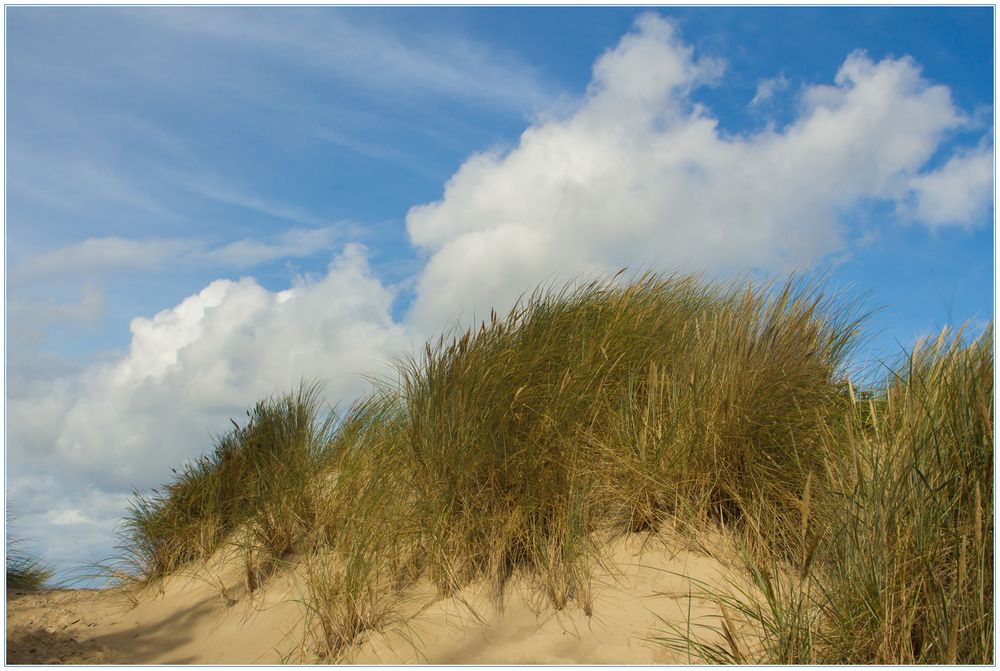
column 189, row 622
column 204, row 619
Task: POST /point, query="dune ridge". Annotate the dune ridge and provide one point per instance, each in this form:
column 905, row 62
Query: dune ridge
column 814, row 522
column 208, row 617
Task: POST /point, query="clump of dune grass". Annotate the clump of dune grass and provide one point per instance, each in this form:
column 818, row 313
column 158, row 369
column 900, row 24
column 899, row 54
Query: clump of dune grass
column 909, row 560
column 24, row 570
column 611, row 406
column 257, row 480
column 517, row 446
column 367, row 547
column 898, row 542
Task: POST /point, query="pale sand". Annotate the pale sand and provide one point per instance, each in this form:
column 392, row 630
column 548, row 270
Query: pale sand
column 193, row 621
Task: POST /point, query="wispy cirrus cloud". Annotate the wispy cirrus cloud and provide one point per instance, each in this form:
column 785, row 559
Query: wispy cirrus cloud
column 208, row 186
column 98, row 257
column 290, row 244
column 29, row 320
column 343, row 45
column 155, row 134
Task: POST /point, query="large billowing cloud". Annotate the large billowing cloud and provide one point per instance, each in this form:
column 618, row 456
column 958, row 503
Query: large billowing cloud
column 638, row 174
column 191, row 367
column 81, row 443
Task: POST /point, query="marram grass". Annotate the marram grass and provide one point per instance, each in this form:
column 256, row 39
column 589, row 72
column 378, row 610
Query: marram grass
column 897, row 564
column 256, row 489
column 24, row 570
column 589, row 411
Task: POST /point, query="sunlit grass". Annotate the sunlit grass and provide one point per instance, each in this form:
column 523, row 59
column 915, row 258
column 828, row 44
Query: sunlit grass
column 597, row 410
column 898, row 555
column 259, row 479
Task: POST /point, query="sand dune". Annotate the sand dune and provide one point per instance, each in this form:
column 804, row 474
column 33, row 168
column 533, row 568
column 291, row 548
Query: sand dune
column 189, row 622
column 207, row 618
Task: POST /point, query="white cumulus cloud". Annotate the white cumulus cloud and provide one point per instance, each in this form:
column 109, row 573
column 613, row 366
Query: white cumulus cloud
column 958, row 192
column 193, row 366
column 641, row 174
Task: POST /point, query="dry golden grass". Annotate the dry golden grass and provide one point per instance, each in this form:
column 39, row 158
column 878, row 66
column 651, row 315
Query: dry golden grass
column 610, row 408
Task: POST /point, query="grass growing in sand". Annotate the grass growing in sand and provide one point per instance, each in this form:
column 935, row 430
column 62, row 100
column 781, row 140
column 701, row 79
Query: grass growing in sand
column 897, row 563
column 257, row 488
column 599, row 410
column 24, row 570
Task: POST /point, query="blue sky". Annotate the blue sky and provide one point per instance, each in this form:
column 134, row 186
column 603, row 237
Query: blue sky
column 204, row 205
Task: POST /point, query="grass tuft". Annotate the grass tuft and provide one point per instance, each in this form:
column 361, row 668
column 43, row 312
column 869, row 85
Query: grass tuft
column 24, row 570
column 898, row 557
column 258, row 480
